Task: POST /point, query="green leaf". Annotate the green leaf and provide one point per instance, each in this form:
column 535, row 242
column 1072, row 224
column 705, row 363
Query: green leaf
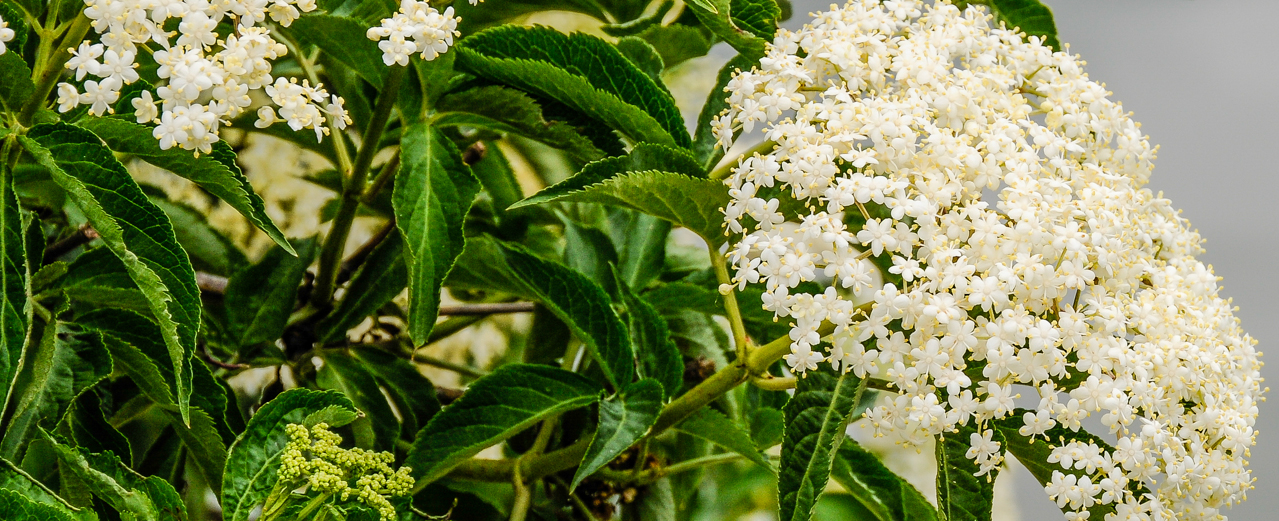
column 1031, row 16
column 684, row 201
column 15, row 82
column 582, row 71
column 638, row 25
column 589, row 251
column 656, row 502
column 96, row 279
column 502, row 109
column 673, row 296
column 767, row 427
column 254, row 459
column 724, row 23
column 581, row 304
column 640, row 242
column 380, row 278
column 343, row 372
column 14, row 316
column 759, row 17
column 344, row 39
column 134, row 229
column 658, row 357
column 434, row 190
column 260, row 298
column 475, row 17
column 210, row 250
column 216, row 172
column 677, row 43
column 62, row 361
column 132, row 495
column 884, row 494
column 482, row 267
column 645, row 156
column 644, row 56
column 815, row 420
column 203, row 443
column 18, row 24
column 413, row 394
column 1034, row 452
column 17, row 507
column 88, row 427
column 624, row 418
column 13, row 479
column 494, row 408
column 962, row 496
column 711, row 425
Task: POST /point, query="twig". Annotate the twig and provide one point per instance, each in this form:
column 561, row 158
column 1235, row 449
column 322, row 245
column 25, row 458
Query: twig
column 357, row 259
column 486, row 308
column 443, row 364
column 210, row 283
column 447, row 395
column 208, row 357
column 83, row 235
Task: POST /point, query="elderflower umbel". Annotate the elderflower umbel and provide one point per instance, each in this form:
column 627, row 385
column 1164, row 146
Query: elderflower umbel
column 207, row 75
column 316, row 457
column 416, row 28
column 1000, row 195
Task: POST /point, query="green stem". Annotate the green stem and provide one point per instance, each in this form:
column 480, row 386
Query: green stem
column 384, row 176
column 651, row 475
column 313, row 505
column 734, row 314
column 52, row 70
column 335, row 243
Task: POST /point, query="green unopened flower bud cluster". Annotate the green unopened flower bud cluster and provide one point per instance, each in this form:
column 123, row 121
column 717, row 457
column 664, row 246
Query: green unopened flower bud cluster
column 315, row 456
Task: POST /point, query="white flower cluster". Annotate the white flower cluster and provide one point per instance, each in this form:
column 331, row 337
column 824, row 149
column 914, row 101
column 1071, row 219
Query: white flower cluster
column 1003, row 193
column 6, row 35
column 416, row 28
column 208, row 77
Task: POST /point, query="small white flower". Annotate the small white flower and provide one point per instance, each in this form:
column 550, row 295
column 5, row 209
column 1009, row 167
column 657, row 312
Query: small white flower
column 144, row 108
column 7, row 34
column 68, row 97
column 100, row 95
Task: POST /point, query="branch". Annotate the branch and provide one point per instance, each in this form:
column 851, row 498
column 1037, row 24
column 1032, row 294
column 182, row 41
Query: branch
column 486, row 309
column 210, row 283
column 83, row 235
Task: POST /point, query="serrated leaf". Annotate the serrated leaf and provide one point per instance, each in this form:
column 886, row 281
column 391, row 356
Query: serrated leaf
column 581, row 304
column 638, row 25
column 1033, row 454
column 482, row 267
column 961, row 495
column 581, row 71
column 589, row 251
column 815, row 420
column 759, row 17
column 14, row 316
column 684, row 201
column 1031, row 16
column 134, row 229
column 640, row 242
column 434, row 190
column 203, row 443
column 723, row 23
column 88, row 427
column 342, row 372
column 148, row 498
column 508, row 110
column 644, row 56
column 413, row 394
column 13, row 479
column 260, row 298
column 677, row 43
column 216, row 172
column 97, row 279
column 711, row 425
column 494, row 408
column 17, row 507
column 645, row 156
column 658, row 357
column 62, row 361
column 884, row 494
column 673, row 296
column 479, row 16
column 15, row 82
column 767, row 427
column 624, row 418
column 344, row 39
column 254, row 459
column 380, row 278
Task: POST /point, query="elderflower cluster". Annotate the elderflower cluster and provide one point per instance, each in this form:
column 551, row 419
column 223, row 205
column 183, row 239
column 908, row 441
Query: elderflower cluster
column 6, row 35
column 316, row 457
column 208, row 71
column 416, row 28
column 984, row 201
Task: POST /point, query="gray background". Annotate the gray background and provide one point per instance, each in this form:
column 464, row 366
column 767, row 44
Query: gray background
column 1202, row 76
